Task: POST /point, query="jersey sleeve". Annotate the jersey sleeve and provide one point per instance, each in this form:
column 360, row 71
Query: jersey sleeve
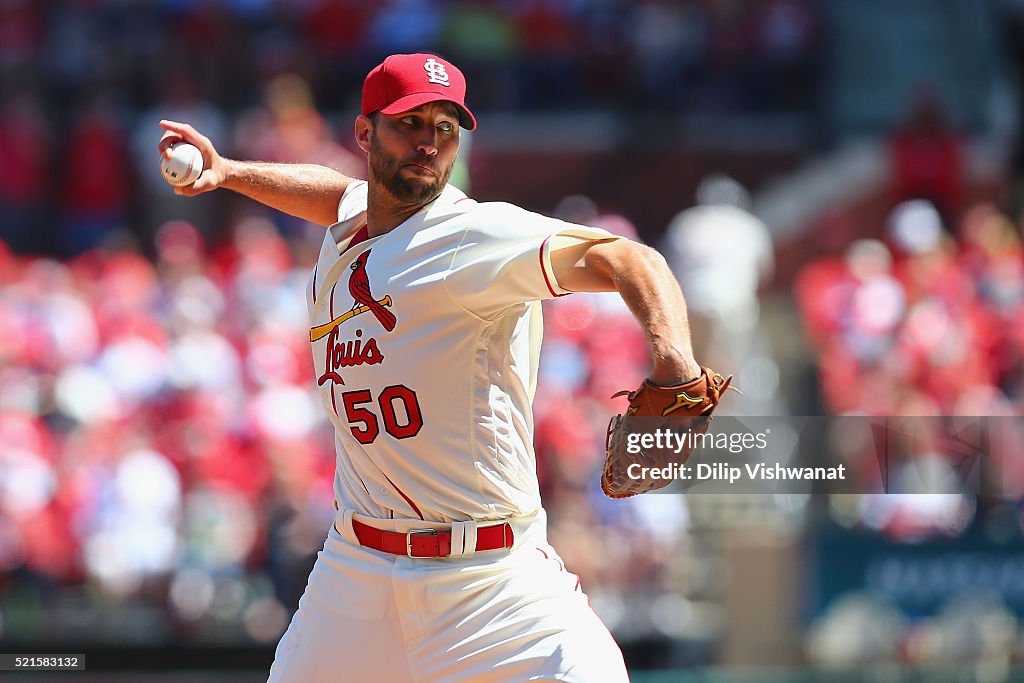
column 504, row 258
column 353, row 200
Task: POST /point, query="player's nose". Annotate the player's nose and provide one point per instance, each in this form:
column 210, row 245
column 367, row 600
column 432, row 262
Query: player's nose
column 428, row 143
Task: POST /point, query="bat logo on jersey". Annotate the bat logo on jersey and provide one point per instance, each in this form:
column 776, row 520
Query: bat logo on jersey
column 363, row 302
column 346, row 353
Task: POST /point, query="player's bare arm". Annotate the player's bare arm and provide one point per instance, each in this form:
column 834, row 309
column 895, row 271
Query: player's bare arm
column 642, row 278
column 308, row 191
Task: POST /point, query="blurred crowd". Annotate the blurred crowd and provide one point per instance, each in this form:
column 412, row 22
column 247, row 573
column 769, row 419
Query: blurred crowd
column 84, row 83
column 157, row 424
column 535, row 53
column 164, row 460
column 923, row 321
column 165, row 468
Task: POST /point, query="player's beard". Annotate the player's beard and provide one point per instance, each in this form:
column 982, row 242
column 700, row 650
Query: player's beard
column 387, row 170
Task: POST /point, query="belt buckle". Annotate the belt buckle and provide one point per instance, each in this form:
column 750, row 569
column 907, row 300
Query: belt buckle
column 417, row 532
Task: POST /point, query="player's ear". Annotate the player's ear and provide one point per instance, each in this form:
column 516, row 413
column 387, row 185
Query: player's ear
column 364, row 131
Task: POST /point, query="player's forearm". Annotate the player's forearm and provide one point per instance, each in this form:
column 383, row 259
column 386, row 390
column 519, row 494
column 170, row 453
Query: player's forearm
column 308, row 191
column 646, row 284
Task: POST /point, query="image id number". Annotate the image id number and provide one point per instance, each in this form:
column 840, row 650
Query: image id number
column 42, row 662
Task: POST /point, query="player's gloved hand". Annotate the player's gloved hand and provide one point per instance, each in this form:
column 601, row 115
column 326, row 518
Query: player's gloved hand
column 214, row 171
column 682, row 407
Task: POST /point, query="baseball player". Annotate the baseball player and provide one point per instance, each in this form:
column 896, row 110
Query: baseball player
column 425, row 330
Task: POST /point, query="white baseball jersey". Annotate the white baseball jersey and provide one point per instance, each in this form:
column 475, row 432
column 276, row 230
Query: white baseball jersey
column 425, row 343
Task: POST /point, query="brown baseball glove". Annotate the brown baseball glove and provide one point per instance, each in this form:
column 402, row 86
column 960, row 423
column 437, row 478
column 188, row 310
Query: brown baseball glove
column 631, row 451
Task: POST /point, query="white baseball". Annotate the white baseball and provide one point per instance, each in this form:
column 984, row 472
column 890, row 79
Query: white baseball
column 184, row 166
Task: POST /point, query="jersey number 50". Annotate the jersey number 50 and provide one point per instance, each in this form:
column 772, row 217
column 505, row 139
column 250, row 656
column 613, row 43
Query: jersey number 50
column 357, row 415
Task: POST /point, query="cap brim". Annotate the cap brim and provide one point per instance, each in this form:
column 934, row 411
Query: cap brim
column 404, row 104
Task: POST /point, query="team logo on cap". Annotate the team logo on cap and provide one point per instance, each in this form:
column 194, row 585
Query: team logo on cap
column 436, row 72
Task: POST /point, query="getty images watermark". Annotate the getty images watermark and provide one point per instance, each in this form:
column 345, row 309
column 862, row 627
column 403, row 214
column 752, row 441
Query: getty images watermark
column 664, row 439
column 844, row 454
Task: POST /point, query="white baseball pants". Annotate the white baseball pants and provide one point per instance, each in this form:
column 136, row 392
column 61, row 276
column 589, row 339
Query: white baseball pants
column 495, row 617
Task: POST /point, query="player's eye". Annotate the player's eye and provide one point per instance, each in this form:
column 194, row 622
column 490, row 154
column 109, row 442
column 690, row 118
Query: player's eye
column 408, row 121
column 446, row 127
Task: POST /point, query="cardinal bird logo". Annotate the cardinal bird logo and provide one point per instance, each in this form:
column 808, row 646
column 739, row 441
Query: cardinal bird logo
column 363, row 302
column 359, row 288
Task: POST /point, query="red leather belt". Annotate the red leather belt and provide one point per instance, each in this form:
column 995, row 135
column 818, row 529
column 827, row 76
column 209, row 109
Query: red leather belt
column 429, row 542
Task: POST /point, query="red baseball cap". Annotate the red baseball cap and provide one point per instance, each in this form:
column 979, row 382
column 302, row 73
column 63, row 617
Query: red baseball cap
column 404, row 82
